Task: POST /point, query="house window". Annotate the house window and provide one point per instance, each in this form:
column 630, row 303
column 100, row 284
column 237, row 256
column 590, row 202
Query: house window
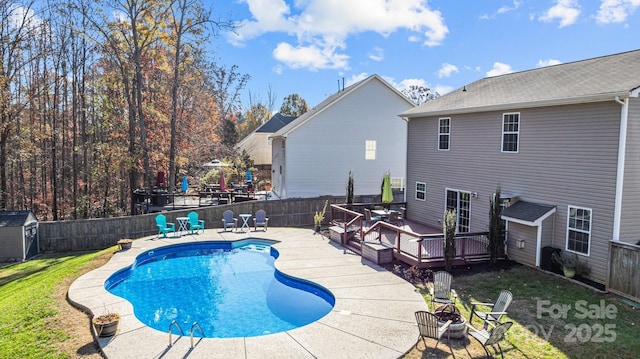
column 578, row 230
column 421, row 191
column 370, row 150
column 510, row 132
column 444, row 131
column 461, row 203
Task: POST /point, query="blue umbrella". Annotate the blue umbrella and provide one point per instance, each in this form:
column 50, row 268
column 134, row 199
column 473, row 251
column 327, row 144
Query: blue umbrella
column 249, row 181
column 185, row 184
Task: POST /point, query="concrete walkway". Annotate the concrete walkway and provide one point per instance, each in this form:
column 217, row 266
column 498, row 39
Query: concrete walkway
column 373, row 315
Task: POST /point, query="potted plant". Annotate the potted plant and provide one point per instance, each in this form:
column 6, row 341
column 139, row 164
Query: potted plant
column 318, row 217
column 570, row 263
column 125, row 243
column 106, row 324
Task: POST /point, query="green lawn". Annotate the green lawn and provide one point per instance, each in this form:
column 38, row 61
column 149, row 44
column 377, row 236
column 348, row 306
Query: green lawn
column 553, row 318
column 29, row 302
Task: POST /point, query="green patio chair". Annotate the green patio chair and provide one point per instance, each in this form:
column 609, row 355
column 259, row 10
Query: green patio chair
column 163, row 226
column 195, row 224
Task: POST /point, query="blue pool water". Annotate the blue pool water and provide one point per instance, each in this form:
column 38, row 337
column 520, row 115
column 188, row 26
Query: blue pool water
column 230, row 289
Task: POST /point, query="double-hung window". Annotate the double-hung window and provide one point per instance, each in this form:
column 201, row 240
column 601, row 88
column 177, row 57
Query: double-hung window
column 510, row 132
column 444, row 132
column 578, row 230
column 370, row 150
column 421, row 191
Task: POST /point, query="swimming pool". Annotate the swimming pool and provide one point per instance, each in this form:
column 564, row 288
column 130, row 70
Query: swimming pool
column 230, row 288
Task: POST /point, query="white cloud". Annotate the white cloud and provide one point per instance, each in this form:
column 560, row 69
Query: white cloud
column 567, row 11
column 355, row 78
column 20, row 16
column 311, row 57
column 446, row 70
column 278, row 69
column 548, row 62
column 377, row 54
column 616, row 11
column 505, row 9
column 318, row 25
column 499, row 69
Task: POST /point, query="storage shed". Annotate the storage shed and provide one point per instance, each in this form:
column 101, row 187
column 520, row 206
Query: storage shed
column 18, row 235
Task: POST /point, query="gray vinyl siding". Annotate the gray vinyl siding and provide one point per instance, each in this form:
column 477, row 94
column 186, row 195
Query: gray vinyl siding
column 548, row 226
column 567, row 156
column 629, row 227
column 526, row 255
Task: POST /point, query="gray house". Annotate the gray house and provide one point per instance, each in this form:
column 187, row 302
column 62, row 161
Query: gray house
column 18, row 235
column 563, row 144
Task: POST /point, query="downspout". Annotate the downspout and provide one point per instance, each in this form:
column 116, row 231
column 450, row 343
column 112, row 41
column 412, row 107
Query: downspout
column 406, row 163
column 622, row 145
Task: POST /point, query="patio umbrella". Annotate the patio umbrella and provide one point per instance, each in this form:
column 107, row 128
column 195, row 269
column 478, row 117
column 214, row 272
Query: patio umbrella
column 160, row 179
column 249, row 179
column 387, row 194
column 223, row 186
column 185, row 184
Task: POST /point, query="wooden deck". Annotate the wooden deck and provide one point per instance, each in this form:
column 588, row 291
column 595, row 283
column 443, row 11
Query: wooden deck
column 413, row 243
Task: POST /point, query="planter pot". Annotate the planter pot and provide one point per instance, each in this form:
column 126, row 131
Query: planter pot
column 569, row 272
column 317, row 229
column 107, row 329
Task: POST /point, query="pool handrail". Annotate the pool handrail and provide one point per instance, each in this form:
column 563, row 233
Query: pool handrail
column 171, row 327
column 195, row 325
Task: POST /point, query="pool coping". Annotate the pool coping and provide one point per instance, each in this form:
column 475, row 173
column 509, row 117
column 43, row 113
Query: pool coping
column 373, row 316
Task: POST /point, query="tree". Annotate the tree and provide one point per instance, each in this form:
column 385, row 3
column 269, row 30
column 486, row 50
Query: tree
column 254, row 118
column 420, row 94
column 187, row 17
column 293, row 105
column 449, row 231
column 16, row 22
column 496, row 230
column 350, row 188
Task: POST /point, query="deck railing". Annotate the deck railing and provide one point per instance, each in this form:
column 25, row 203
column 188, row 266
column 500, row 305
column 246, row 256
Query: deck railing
column 410, row 247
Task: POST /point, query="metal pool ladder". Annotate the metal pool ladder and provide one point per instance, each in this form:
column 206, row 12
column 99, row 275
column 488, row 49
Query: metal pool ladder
column 171, row 327
column 193, row 326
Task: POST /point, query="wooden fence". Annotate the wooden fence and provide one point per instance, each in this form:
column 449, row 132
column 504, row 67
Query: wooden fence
column 100, row 233
column 623, row 270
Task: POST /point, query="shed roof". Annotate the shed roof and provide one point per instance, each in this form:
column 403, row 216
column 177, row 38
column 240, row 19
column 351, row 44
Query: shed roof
column 591, row 80
column 528, row 213
column 15, row 218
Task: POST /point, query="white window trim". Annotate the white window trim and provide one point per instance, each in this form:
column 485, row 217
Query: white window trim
column 370, row 149
column 425, row 191
column 511, row 132
column 442, row 133
column 447, row 189
column 566, row 239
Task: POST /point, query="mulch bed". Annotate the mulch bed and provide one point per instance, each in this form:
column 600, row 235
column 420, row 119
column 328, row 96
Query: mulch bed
column 416, row 275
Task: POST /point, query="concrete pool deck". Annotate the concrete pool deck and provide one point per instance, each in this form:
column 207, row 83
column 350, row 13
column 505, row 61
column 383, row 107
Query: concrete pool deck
column 373, row 315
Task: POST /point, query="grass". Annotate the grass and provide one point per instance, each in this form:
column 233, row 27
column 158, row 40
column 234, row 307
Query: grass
column 34, row 315
column 553, row 318
column 37, row 322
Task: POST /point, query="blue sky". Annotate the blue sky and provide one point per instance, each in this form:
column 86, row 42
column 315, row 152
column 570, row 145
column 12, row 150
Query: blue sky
column 308, row 46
